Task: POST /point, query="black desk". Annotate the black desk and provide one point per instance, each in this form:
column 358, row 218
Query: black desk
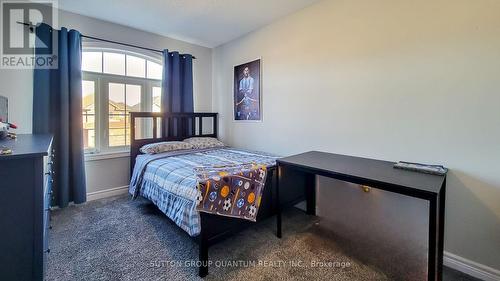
column 376, row 174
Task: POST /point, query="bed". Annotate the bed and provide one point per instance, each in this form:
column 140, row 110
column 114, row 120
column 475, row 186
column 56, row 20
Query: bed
column 169, row 180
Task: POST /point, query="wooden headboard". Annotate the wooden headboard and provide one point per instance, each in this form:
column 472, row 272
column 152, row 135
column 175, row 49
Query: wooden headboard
column 156, row 127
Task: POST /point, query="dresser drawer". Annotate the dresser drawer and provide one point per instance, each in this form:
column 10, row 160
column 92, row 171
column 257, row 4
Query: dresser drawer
column 47, row 192
column 49, row 173
column 48, row 179
column 48, row 164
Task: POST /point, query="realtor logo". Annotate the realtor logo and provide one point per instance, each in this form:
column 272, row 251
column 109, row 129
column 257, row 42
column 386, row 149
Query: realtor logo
column 18, row 37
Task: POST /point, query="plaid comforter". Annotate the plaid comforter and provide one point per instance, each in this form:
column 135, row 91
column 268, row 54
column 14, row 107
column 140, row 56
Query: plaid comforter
column 169, row 179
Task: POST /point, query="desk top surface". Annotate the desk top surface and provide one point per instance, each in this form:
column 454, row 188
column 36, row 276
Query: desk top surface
column 27, row 145
column 364, row 169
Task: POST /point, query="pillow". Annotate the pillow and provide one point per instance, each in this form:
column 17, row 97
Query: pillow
column 159, row 147
column 204, row 142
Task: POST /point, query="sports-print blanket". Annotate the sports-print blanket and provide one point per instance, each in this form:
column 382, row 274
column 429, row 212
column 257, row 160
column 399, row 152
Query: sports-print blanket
column 233, row 191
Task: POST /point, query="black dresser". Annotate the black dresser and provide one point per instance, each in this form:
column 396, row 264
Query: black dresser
column 25, row 195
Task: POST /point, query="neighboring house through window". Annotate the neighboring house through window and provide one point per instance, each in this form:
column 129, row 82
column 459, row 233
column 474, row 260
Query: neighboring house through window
column 115, row 83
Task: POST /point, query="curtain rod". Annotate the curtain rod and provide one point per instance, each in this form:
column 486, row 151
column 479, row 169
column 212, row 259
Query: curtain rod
column 31, row 26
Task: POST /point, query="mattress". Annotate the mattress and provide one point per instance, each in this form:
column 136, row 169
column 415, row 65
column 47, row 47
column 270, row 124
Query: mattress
column 168, row 179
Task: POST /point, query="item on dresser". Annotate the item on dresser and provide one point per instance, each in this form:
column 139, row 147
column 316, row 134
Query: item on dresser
column 4, row 129
column 422, row 168
column 5, row 150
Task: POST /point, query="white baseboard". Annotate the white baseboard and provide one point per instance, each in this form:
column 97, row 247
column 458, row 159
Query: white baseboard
column 107, row 193
column 471, row 268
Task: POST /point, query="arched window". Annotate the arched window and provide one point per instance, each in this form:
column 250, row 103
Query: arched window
column 116, row 82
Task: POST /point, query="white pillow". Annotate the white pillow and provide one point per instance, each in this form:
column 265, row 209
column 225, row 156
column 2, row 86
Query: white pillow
column 159, row 147
column 204, row 142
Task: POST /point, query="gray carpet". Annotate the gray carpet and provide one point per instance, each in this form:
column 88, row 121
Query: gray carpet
column 120, row 239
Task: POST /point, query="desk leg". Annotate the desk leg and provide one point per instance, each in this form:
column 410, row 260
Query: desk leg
column 440, row 245
column 433, row 235
column 311, row 194
column 278, row 202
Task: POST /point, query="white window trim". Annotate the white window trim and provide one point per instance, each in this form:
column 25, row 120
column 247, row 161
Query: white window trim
column 101, row 81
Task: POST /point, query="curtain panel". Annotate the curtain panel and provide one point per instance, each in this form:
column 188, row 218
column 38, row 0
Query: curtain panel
column 177, row 87
column 57, row 109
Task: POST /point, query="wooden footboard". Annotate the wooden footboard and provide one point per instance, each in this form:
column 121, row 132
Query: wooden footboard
column 216, row 228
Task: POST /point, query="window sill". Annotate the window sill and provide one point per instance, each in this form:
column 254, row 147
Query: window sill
column 106, row 155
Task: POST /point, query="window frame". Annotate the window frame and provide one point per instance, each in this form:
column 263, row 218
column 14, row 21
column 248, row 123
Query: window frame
column 101, row 99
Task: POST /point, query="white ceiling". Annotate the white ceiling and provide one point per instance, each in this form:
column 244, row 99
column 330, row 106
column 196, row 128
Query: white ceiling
column 204, row 22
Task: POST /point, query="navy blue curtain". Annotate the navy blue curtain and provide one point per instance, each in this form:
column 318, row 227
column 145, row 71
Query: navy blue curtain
column 177, row 87
column 57, row 109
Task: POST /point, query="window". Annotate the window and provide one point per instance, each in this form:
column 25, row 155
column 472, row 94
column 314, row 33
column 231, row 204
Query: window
column 88, row 112
column 116, row 83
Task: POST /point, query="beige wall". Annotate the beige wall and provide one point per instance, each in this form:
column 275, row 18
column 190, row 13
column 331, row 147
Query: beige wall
column 396, row 80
